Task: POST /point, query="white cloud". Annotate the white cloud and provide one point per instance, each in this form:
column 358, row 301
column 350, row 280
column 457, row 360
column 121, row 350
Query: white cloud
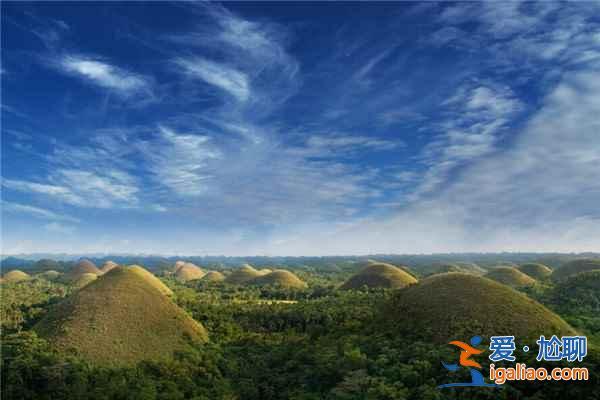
column 220, row 75
column 60, row 192
column 541, row 194
column 35, row 211
column 83, row 188
column 181, row 165
column 475, row 119
column 105, row 75
column 55, row 227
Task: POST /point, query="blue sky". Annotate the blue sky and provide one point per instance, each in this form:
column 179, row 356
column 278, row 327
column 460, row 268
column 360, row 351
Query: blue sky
column 300, row 128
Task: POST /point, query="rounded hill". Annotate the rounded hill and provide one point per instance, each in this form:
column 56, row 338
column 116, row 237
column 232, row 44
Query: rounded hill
column 536, row 270
column 280, row 278
column 107, row 266
column 82, row 267
column 580, row 291
column 380, row 275
column 457, row 305
column 576, row 267
column 510, row 276
column 15, row 275
column 188, row 272
column 120, row 319
column 46, row 264
column 213, row 276
column 83, row 280
column 151, row 279
column 49, row 275
column 242, row 275
column 468, row 268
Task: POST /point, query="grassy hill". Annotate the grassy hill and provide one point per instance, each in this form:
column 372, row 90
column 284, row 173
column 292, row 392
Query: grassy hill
column 83, row 280
column 379, row 275
column 468, row 268
column 575, row 267
column 213, row 276
column 579, row 292
column 82, row 267
column 536, row 271
column 151, row 279
column 242, row 275
column 510, row 276
column 281, row 278
column 457, row 306
column 120, row 319
column 107, row 266
column 188, row 272
column 49, row 275
column 15, row 276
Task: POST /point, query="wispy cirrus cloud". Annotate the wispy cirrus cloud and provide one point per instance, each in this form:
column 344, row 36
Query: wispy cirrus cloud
column 220, row 75
column 475, row 118
column 105, row 75
column 83, row 188
column 36, row 212
column 181, row 165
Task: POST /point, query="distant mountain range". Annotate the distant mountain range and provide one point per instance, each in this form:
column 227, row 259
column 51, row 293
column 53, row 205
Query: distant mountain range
column 157, row 262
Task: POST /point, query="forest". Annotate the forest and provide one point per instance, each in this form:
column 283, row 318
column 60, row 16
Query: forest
column 277, row 342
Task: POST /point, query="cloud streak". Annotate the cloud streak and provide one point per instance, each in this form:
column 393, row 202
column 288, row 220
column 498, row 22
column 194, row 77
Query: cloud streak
column 105, row 75
column 35, row 212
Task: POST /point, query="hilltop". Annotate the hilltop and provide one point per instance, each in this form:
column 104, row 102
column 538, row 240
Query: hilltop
column 83, row 280
column 281, row 278
column 535, row 270
column 188, row 272
column 575, row 267
column 242, row 275
column 151, row 279
column 380, row 275
column 213, row 276
column 510, row 276
column 120, row 319
column 15, row 276
column 107, row 266
column 50, row 275
column 457, row 306
column 82, row 267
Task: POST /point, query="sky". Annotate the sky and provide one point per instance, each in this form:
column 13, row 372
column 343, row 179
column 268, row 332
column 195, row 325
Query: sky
column 300, row 128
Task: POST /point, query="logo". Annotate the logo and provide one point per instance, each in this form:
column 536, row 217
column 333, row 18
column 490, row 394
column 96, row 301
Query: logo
column 568, row 348
column 465, row 361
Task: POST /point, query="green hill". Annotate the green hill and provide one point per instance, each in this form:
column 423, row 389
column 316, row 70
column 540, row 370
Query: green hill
column 379, row 275
column 281, row 278
column 107, row 266
column 579, row 292
column 213, row 276
column 575, row 267
column 151, row 279
column 536, row 271
column 83, row 280
column 82, row 267
column 120, row 319
column 510, row 276
column 457, row 306
column 188, row 272
column 49, row 275
column 242, row 275
column 46, row 264
column 15, row 276
column 468, row 268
